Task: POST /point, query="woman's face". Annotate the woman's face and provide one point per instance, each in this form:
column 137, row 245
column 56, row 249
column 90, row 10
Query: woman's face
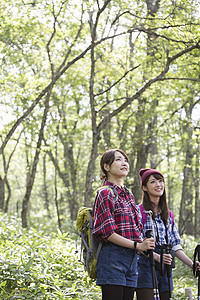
column 119, row 167
column 154, row 187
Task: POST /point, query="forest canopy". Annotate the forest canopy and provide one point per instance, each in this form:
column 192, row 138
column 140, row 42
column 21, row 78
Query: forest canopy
column 79, row 77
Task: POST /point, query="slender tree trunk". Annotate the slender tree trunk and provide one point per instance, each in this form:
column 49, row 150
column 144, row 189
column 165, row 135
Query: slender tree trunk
column 106, row 132
column 45, row 190
column 154, row 150
column 8, row 196
column 152, row 10
column 141, row 149
column 66, row 182
column 4, row 202
column 26, row 199
column 2, row 194
column 186, row 213
column 169, row 182
column 90, row 171
column 56, row 197
column 196, row 184
column 72, row 196
column 57, row 206
column 95, row 133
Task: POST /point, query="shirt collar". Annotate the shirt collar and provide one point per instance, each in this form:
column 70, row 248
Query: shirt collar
column 119, row 189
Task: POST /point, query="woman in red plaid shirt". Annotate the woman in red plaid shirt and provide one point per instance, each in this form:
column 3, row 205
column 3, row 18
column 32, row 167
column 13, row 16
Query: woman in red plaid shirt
column 117, row 223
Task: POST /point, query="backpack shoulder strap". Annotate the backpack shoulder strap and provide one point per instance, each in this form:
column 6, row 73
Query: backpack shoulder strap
column 144, row 216
column 113, row 191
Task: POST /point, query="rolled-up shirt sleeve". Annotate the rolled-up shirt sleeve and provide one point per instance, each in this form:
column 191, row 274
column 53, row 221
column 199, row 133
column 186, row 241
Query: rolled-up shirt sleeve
column 104, row 222
column 176, row 240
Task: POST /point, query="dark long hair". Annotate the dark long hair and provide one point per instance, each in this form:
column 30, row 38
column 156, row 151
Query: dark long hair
column 107, row 158
column 148, row 205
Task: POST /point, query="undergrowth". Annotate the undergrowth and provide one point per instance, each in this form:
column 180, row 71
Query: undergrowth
column 42, row 263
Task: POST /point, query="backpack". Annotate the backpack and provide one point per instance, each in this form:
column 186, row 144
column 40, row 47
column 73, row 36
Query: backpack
column 144, row 215
column 90, row 245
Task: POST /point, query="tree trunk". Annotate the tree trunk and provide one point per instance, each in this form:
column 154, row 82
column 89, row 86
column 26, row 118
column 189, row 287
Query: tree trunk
column 154, row 150
column 143, row 149
column 4, row 201
column 2, row 194
column 56, row 197
column 186, row 213
column 140, row 148
column 90, row 171
column 31, row 179
column 152, row 9
column 169, row 180
column 45, row 190
column 196, row 184
column 8, row 196
column 72, row 196
column 65, row 178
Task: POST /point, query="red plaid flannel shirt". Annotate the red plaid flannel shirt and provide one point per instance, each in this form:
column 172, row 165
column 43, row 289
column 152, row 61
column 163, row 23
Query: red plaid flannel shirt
column 124, row 219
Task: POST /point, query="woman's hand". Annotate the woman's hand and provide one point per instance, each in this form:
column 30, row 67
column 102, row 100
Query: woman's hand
column 197, row 266
column 167, row 259
column 156, row 256
column 147, row 244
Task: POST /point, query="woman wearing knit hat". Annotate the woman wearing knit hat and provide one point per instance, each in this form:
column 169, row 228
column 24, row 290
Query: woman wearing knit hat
column 166, row 236
column 118, row 225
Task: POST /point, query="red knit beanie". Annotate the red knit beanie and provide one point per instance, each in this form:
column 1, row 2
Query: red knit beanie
column 144, row 173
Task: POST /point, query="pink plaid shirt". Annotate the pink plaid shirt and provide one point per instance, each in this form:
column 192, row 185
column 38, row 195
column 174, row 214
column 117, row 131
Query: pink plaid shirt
column 122, row 219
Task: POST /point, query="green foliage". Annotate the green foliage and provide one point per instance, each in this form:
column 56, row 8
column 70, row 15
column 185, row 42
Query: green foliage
column 40, row 264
